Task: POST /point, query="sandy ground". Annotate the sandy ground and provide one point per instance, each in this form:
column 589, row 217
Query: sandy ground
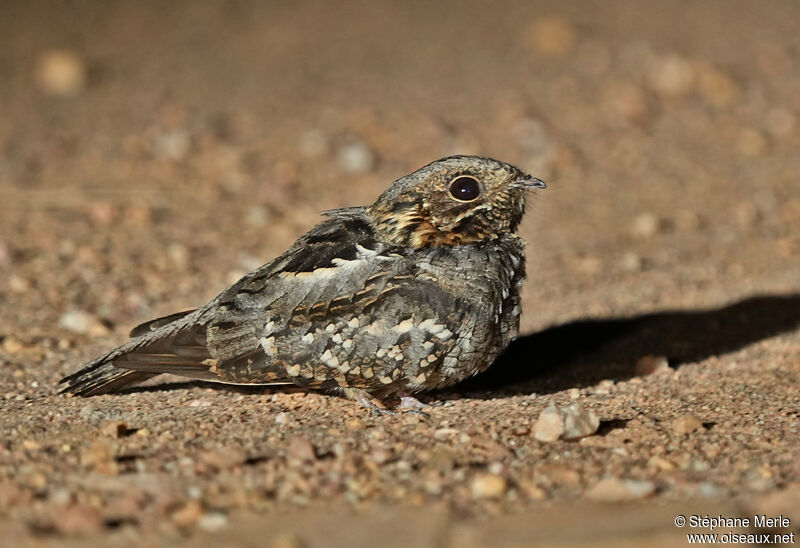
column 151, row 153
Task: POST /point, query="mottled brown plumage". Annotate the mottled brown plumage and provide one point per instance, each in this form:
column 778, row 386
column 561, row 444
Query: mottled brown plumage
column 417, row 291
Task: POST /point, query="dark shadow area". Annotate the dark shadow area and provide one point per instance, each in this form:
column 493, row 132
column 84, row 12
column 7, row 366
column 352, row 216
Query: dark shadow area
column 582, row 353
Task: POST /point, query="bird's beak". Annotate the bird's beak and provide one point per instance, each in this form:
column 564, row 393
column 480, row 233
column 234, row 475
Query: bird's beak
column 527, row 182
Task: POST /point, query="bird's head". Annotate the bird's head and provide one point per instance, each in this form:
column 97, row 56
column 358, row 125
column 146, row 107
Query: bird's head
column 453, row 201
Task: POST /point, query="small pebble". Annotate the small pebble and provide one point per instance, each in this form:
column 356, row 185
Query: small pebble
column 212, row 521
column 606, row 386
column 660, row 463
column 671, row 75
column 257, row 216
column 578, row 422
column 568, row 423
column 188, row 514
column 83, row 323
column 61, row 72
column 686, row 424
column 61, row 497
column 18, row 284
column 549, row 426
column 620, row 490
column 301, row 449
column 173, row 145
column 114, row 429
column 631, row 262
column 433, row 485
column 380, row 455
column 31, row 445
column 12, row 345
column 178, row 254
column 101, row 212
column 552, row 36
column 646, row 225
column 356, row 424
column 356, row 157
column 649, row 365
column 709, row 490
column 441, row 433
column 488, row 486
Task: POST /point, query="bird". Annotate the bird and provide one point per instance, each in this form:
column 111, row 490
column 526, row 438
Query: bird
column 416, row 292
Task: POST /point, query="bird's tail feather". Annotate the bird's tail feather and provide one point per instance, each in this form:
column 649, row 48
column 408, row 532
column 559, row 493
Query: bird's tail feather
column 174, row 344
column 104, row 380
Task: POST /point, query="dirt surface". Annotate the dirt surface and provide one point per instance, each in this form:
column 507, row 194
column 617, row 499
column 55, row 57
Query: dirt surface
column 151, row 153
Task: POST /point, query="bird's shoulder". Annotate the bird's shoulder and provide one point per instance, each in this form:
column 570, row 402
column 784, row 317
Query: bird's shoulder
column 344, row 235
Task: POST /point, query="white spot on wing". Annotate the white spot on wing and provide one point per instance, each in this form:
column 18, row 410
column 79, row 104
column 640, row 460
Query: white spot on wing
column 444, row 335
column 268, row 344
column 426, row 324
column 404, row 326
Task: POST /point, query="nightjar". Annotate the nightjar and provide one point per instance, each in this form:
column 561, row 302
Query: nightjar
column 418, row 291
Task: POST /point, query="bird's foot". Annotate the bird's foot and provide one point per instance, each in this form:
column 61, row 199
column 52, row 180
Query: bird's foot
column 410, row 404
column 407, row 404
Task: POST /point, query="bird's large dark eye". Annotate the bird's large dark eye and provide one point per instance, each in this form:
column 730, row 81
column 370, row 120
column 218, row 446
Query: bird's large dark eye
column 465, row 188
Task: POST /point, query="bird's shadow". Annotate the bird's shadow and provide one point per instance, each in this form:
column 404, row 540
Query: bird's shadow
column 584, row 352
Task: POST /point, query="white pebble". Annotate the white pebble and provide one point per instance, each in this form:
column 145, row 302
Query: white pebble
column 620, row 490
column 646, row 225
column 489, row 486
column 550, row 424
column 568, row 423
column 356, row 157
column 212, row 521
column 82, row 322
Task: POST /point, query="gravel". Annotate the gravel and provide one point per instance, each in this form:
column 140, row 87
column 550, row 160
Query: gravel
column 668, row 231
